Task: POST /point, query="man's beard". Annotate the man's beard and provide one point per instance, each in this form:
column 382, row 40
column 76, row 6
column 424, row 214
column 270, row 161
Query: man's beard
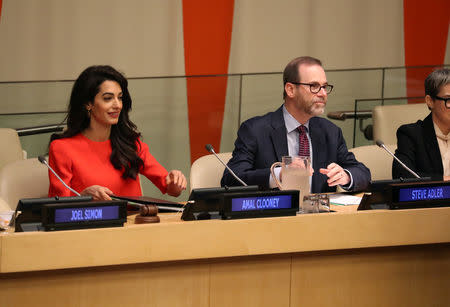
column 315, row 109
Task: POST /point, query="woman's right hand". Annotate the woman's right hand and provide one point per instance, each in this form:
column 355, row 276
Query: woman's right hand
column 98, row 192
column 176, row 183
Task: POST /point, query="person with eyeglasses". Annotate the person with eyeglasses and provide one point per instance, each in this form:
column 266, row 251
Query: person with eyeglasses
column 296, row 129
column 425, row 145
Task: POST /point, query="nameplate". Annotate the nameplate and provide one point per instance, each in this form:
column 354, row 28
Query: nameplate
column 93, row 214
column 420, row 195
column 270, row 202
column 98, row 213
column 239, row 202
column 260, row 204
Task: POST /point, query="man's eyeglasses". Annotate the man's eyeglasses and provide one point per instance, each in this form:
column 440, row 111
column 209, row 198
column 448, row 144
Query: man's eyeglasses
column 445, row 100
column 316, row 87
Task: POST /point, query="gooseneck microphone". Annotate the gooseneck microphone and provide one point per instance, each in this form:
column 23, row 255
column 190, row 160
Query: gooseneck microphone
column 44, row 161
column 381, row 144
column 211, row 150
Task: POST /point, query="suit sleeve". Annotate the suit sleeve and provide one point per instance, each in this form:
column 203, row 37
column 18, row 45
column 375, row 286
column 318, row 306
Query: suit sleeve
column 360, row 173
column 243, row 161
column 59, row 160
column 151, row 169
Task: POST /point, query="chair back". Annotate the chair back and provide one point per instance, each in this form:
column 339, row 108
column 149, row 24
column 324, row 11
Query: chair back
column 376, row 159
column 207, row 171
column 11, row 147
column 4, row 206
column 23, row 179
column 387, row 119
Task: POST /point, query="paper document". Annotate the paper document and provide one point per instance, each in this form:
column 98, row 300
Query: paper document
column 5, row 218
column 344, row 200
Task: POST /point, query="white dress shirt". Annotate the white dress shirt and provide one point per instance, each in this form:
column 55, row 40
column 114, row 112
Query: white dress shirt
column 444, row 147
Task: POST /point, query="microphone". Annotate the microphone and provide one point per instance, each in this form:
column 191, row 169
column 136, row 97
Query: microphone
column 211, row 150
column 381, row 144
column 44, row 161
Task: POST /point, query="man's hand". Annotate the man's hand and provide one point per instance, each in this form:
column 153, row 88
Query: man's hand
column 336, row 175
column 176, row 183
column 97, row 192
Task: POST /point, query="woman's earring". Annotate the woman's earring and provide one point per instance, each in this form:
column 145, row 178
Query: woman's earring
column 89, row 112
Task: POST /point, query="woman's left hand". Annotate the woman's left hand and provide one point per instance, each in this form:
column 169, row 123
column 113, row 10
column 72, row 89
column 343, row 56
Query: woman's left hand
column 176, row 183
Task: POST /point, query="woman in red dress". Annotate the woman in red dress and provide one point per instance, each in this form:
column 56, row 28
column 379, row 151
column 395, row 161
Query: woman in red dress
column 101, row 153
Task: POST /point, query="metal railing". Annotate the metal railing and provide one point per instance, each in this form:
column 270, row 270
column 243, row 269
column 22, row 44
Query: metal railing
column 39, row 129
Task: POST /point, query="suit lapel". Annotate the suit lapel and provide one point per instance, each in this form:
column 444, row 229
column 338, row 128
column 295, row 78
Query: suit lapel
column 278, row 134
column 432, row 144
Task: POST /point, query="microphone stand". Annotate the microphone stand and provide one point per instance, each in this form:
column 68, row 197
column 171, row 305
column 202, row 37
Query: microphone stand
column 381, row 144
column 211, row 150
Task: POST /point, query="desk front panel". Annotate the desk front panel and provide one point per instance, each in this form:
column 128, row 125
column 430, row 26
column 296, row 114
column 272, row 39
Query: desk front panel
column 175, row 240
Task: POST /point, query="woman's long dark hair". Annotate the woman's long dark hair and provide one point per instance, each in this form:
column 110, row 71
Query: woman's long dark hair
column 124, row 134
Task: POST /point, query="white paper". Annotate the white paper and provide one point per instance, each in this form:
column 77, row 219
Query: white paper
column 344, row 200
column 5, row 218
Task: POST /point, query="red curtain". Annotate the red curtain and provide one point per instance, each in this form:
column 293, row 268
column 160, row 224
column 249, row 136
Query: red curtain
column 207, row 27
column 426, row 29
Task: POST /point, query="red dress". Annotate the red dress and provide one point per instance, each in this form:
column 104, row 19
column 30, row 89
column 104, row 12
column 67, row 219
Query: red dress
column 81, row 163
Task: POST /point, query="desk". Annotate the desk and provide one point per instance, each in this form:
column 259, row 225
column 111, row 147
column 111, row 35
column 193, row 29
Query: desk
column 370, row 258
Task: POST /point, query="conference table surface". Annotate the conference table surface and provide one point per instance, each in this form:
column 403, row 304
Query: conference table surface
column 262, row 262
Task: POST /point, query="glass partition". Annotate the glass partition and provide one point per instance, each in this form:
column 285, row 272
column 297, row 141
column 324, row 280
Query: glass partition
column 34, row 145
column 351, row 85
column 359, row 139
column 394, row 84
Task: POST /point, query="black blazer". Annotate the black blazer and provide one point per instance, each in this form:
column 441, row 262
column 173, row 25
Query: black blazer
column 418, row 148
column 262, row 140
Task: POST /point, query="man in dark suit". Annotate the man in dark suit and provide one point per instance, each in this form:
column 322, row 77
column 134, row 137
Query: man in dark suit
column 425, row 145
column 294, row 129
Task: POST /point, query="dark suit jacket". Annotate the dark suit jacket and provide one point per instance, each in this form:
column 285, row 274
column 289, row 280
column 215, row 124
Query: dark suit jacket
column 262, row 141
column 418, row 148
